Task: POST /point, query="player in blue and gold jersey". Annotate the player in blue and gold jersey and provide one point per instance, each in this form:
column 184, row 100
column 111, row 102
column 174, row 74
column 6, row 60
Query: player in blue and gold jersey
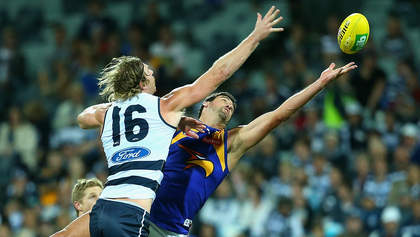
column 195, row 167
column 193, row 170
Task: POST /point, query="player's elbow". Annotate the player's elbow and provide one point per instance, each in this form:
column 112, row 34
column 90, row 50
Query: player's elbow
column 196, row 95
column 278, row 119
column 281, row 120
column 80, row 121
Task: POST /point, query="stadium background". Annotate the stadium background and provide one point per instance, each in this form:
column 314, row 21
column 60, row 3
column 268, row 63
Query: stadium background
column 347, row 164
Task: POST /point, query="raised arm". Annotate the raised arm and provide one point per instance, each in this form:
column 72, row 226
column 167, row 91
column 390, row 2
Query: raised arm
column 93, row 116
column 247, row 136
column 223, row 68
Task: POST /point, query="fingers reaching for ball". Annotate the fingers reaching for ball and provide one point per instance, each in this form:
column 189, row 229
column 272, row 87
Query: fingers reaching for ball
column 347, row 68
column 265, row 25
column 330, row 73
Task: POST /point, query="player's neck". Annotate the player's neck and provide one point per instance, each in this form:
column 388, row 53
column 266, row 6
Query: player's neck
column 213, row 122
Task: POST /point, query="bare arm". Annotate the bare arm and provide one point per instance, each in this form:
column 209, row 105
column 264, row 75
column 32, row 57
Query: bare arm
column 223, row 68
column 93, row 116
column 247, row 136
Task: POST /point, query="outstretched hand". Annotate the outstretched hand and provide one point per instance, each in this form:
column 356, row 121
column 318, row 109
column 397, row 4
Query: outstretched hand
column 187, row 124
column 264, row 26
column 331, row 74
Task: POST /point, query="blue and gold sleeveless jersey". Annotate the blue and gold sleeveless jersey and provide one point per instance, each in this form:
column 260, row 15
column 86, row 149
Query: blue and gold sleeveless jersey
column 193, row 170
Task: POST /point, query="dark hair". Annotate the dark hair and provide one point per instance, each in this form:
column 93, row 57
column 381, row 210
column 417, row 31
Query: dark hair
column 284, row 202
column 214, row 96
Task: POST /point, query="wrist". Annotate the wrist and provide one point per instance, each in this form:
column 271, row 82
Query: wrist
column 322, row 82
column 254, row 37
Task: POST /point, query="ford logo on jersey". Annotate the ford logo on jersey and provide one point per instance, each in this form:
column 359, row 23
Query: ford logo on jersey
column 131, row 153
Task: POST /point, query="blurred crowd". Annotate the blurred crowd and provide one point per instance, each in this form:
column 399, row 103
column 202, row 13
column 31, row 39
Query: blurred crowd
column 347, row 164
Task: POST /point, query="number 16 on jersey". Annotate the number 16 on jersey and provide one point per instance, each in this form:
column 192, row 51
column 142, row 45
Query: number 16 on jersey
column 129, row 124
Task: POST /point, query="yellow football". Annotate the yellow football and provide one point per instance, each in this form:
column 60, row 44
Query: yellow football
column 353, row 33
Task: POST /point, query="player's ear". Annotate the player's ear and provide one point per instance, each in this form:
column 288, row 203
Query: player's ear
column 144, row 84
column 206, row 104
column 77, row 205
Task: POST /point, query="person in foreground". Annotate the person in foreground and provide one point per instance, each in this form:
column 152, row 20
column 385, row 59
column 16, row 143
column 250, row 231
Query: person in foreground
column 137, row 128
column 195, row 167
column 85, row 193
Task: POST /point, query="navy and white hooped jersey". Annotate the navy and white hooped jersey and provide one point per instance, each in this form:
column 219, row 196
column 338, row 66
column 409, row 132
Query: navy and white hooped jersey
column 136, row 142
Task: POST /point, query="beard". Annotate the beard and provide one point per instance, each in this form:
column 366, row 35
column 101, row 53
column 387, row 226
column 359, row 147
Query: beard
column 222, row 115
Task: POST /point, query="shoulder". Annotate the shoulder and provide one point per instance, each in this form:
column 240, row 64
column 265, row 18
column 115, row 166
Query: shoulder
column 142, row 96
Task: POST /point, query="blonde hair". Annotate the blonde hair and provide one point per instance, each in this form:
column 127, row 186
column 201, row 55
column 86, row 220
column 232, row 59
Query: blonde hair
column 80, row 187
column 121, row 78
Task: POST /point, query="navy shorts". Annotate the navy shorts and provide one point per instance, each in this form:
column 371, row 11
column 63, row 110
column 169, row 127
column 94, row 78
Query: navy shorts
column 113, row 218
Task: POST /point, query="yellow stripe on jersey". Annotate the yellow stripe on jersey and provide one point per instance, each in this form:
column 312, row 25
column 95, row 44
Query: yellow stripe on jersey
column 220, row 148
column 178, row 137
column 205, row 164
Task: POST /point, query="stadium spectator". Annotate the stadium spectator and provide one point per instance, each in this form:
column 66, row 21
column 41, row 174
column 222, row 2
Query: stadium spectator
column 390, row 218
column 369, row 83
column 353, row 134
column 361, row 173
column 61, row 52
column 354, row 227
column 68, row 110
column 406, row 189
column 96, row 25
column 370, row 214
column 265, row 156
column 19, row 140
column 400, row 163
column 411, row 226
column 281, row 184
column 379, row 184
column 12, row 67
column 338, row 202
column 224, row 205
column 281, row 222
column 389, row 130
column 396, row 44
column 168, row 57
column 318, row 181
column 254, row 212
column 409, row 136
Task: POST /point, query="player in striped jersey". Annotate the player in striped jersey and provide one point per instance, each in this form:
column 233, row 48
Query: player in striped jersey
column 137, row 128
column 195, row 167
